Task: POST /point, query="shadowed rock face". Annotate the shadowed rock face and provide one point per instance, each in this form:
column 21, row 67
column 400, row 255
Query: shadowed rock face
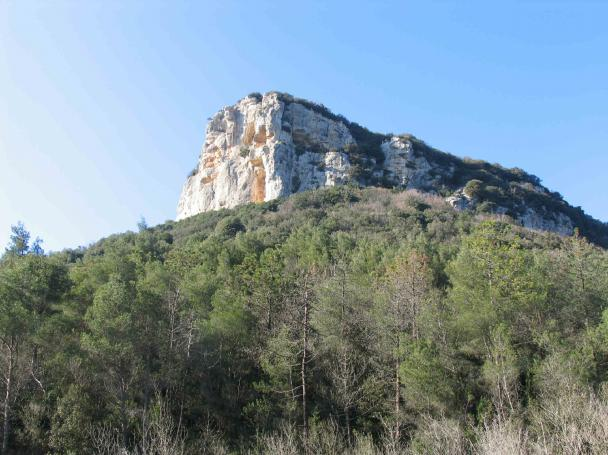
column 265, row 147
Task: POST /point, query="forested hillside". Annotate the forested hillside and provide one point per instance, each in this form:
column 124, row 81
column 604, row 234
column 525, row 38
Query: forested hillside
column 337, row 321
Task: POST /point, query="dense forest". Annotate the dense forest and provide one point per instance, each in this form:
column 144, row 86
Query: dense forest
column 337, row 321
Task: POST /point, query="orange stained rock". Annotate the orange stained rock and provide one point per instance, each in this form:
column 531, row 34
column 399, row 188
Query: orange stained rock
column 258, row 187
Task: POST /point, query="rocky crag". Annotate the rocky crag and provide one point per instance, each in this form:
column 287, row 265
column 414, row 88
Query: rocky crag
column 273, row 145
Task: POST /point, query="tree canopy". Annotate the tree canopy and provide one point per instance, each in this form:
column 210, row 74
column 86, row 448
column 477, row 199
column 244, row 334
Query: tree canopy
column 340, row 320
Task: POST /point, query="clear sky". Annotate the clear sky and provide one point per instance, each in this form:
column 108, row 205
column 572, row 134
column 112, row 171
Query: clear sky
column 103, row 104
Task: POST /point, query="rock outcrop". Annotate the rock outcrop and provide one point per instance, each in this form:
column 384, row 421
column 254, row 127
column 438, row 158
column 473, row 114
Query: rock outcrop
column 274, row 145
column 263, row 148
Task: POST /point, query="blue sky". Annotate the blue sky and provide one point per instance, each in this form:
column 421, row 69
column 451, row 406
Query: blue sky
column 103, row 104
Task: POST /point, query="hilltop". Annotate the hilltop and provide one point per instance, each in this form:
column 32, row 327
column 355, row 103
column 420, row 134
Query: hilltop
column 273, row 145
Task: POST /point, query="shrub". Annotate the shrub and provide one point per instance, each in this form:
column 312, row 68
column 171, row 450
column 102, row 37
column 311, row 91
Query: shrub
column 229, row 226
column 473, row 188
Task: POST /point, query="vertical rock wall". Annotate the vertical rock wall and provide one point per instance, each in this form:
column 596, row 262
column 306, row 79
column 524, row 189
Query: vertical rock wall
column 261, row 149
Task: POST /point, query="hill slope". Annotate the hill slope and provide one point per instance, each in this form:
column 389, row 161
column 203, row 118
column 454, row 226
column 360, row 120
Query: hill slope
column 339, row 320
column 275, row 145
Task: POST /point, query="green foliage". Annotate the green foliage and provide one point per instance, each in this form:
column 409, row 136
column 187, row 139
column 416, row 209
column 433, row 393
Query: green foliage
column 229, row 227
column 426, row 380
column 19, row 244
column 473, row 188
column 256, row 95
column 411, row 326
column 494, row 280
column 19, row 240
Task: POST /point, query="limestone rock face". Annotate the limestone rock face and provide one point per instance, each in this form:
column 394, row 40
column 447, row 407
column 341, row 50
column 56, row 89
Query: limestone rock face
column 263, row 148
column 274, row 145
column 404, row 168
column 459, row 200
column 558, row 222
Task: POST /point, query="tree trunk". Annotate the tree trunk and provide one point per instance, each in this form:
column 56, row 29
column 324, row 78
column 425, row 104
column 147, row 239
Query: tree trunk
column 7, row 399
column 347, row 417
column 344, row 356
column 303, row 371
column 397, row 399
column 173, row 307
column 269, row 315
column 123, row 412
column 190, row 341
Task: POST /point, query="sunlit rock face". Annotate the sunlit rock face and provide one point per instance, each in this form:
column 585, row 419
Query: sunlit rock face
column 402, row 167
column 274, row 145
column 263, row 148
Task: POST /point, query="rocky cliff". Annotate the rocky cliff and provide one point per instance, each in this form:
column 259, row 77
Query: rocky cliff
column 262, row 148
column 269, row 146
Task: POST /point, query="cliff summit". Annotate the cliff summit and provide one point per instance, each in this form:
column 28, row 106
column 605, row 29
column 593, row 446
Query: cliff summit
column 273, row 145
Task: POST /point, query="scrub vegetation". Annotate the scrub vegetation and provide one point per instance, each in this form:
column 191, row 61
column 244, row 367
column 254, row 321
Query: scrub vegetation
column 337, row 321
